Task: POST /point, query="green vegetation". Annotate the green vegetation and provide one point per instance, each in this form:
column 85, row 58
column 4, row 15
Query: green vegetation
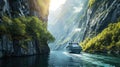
column 107, row 41
column 91, row 2
column 25, row 28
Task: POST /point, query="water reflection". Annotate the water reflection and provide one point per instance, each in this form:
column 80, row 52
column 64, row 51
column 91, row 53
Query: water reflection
column 62, row 59
column 31, row 61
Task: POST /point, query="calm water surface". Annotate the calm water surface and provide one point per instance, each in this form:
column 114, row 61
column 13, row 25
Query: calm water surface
column 62, row 59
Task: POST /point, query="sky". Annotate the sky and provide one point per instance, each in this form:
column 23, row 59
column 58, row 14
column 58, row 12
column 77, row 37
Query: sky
column 54, row 4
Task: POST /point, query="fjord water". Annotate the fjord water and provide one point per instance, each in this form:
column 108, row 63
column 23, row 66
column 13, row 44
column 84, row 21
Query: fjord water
column 62, row 59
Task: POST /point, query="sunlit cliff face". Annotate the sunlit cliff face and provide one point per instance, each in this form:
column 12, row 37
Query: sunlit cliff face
column 40, row 8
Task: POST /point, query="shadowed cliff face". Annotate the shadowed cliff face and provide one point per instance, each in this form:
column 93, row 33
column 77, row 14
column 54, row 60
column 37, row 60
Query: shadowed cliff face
column 89, row 21
column 15, row 9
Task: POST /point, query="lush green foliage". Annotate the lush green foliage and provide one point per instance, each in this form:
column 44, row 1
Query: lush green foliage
column 91, row 2
column 25, row 28
column 107, row 40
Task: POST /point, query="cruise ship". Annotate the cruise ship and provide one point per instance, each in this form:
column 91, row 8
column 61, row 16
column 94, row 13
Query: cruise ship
column 74, row 48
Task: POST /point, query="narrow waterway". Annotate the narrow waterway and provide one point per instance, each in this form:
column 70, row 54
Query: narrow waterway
column 62, row 59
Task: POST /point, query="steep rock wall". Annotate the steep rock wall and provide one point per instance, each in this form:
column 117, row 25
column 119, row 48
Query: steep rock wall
column 99, row 15
column 17, row 8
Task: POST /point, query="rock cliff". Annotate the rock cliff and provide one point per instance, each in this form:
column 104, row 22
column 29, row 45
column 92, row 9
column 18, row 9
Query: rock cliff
column 17, row 8
column 99, row 15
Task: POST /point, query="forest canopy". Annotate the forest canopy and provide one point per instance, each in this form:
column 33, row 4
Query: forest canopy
column 25, row 28
column 108, row 40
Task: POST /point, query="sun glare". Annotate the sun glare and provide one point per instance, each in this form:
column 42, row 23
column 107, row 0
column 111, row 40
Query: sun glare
column 55, row 4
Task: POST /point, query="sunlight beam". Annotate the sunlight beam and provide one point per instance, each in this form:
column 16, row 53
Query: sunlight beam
column 55, row 4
